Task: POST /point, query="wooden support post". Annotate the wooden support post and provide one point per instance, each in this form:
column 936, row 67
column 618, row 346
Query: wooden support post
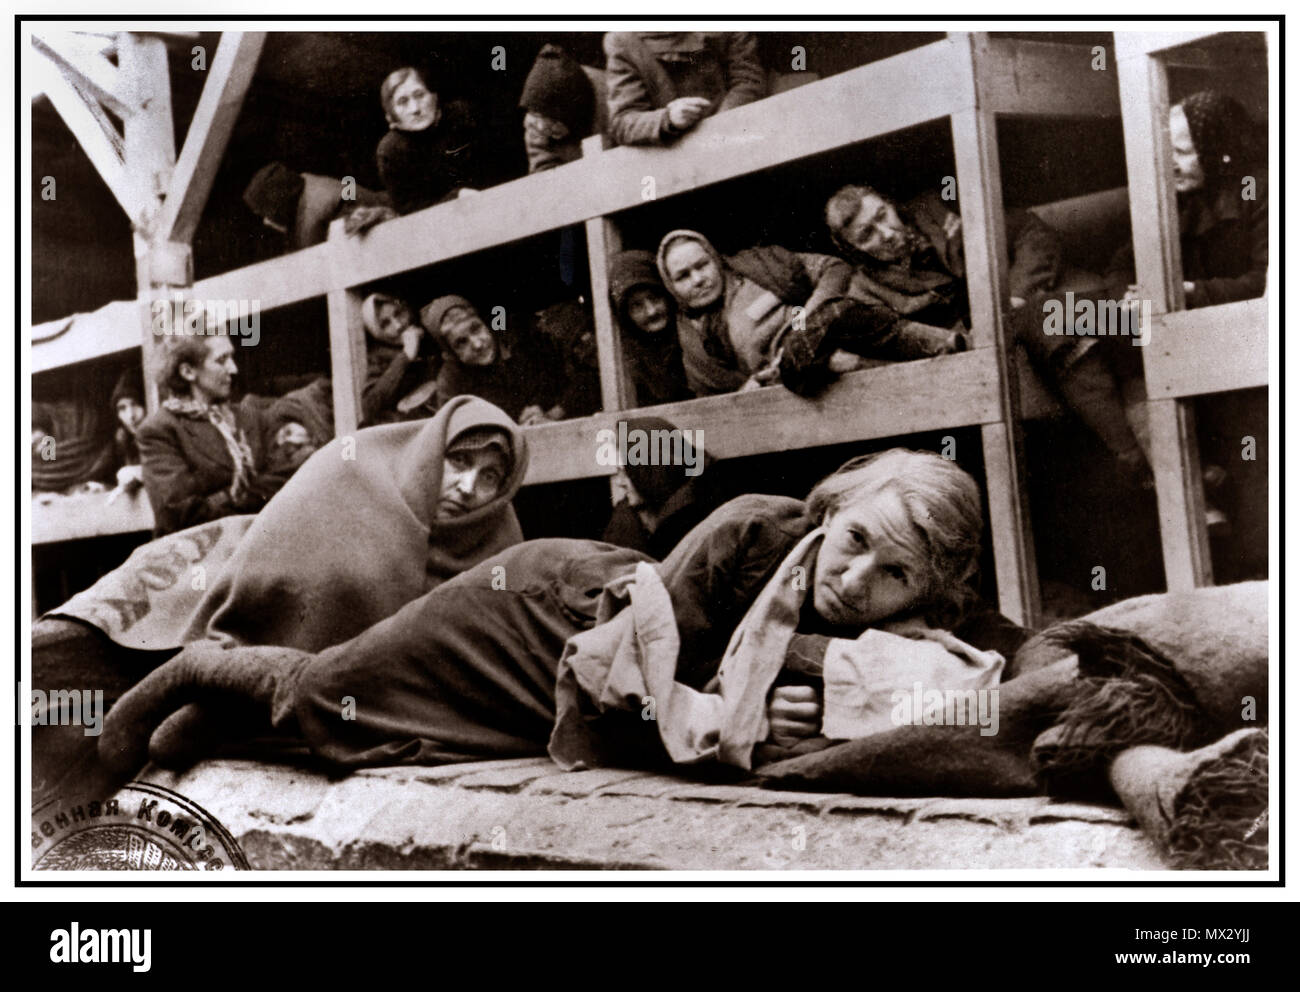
column 229, row 76
column 979, row 183
column 347, row 351
column 149, row 131
column 90, row 69
column 1144, row 97
column 603, row 243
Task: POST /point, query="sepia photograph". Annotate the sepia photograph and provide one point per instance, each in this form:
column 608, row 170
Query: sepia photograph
column 734, row 449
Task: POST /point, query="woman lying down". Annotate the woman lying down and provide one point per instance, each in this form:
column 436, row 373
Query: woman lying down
column 773, row 624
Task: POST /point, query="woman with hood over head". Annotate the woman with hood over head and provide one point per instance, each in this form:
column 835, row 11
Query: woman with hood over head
column 752, row 318
column 369, row 523
column 646, row 314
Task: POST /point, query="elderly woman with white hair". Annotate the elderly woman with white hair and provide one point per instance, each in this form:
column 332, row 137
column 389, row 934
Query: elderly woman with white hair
column 765, row 590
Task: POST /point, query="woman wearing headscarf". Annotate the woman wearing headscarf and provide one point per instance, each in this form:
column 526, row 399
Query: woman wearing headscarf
column 427, row 156
column 754, row 601
column 746, row 320
column 1222, row 191
column 646, row 315
column 368, row 524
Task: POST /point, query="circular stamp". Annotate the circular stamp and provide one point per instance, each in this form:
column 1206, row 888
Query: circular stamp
column 141, row 827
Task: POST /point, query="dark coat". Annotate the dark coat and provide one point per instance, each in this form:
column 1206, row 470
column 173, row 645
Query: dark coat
column 421, row 168
column 1224, row 240
column 187, row 469
column 645, row 71
column 525, row 373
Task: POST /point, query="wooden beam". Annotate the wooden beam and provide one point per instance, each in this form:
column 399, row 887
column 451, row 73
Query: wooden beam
column 603, row 243
column 229, row 77
column 979, row 184
column 1136, row 44
column 347, row 351
column 1144, row 95
column 70, row 518
column 91, row 70
column 1208, row 350
column 1152, row 207
column 95, row 134
column 889, row 401
column 1180, row 495
column 1038, row 78
column 110, row 330
column 150, row 141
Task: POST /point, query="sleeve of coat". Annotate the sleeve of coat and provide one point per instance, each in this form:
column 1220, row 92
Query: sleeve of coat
column 177, row 500
column 746, row 81
column 1250, row 285
column 381, row 393
column 716, row 570
column 633, row 117
column 543, row 153
column 1035, row 251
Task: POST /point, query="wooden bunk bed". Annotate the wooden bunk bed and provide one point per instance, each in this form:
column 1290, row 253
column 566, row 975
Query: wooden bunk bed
column 970, row 79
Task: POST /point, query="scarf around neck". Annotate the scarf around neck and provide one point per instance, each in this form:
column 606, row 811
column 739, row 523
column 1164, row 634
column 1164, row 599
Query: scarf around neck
column 222, row 417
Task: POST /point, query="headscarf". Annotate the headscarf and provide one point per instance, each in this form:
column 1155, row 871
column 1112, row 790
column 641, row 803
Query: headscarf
column 671, row 238
column 130, row 386
column 629, row 270
column 354, row 536
column 433, row 312
column 370, row 311
column 1219, row 126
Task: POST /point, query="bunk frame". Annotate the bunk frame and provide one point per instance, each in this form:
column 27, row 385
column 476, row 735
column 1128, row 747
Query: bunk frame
column 971, row 78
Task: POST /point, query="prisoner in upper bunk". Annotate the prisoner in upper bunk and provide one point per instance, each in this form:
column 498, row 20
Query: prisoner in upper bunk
column 428, row 154
column 563, row 102
column 522, row 373
column 755, row 317
column 661, row 84
column 909, row 259
column 647, row 317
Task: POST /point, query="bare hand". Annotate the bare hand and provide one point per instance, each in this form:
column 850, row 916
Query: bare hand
column 794, row 712
column 532, row 414
column 1131, row 293
column 1017, row 302
column 842, row 361
column 411, row 341
column 687, row 111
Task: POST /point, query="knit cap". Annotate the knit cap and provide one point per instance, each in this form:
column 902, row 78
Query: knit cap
column 432, row 314
column 557, row 87
column 1219, row 130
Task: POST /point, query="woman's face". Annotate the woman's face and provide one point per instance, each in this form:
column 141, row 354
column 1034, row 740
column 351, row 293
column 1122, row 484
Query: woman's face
column 470, row 479
column 469, row 338
column 694, row 275
column 877, row 230
column 865, row 570
column 129, row 413
column 648, row 309
column 391, row 319
column 1188, row 174
column 213, row 381
column 413, row 107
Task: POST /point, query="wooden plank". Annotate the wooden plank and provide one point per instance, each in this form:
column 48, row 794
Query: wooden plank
column 111, row 329
column 347, row 357
column 1153, row 209
column 95, row 134
column 1208, row 350
column 292, row 278
column 890, row 401
column 603, row 243
column 93, row 72
column 149, row 135
column 1048, row 79
column 1138, row 44
column 70, row 518
column 229, row 76
column 1180, row 495
column 979, row 183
